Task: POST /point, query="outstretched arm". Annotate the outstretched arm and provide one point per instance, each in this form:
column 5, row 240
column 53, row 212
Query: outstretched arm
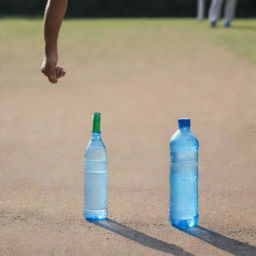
column 54, row 13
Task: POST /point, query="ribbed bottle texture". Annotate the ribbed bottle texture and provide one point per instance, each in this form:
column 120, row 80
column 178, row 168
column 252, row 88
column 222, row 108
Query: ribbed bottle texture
column 184, row 176
column 95, row 175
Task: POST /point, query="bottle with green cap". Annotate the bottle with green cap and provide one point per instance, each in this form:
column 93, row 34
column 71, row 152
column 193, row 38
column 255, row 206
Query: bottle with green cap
column 95, row 175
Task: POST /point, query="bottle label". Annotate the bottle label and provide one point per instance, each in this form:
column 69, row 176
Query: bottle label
column 184, row 162
column 97, row 167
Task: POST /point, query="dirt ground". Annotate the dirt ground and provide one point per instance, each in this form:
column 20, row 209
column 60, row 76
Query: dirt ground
column 140, row 88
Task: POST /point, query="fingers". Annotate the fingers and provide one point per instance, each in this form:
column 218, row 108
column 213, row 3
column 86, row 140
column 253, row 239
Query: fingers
column 60, row 72
column 52, row 72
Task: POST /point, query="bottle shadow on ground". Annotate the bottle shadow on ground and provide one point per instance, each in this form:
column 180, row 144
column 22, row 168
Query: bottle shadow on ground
column 142, row 238
column 232, row 246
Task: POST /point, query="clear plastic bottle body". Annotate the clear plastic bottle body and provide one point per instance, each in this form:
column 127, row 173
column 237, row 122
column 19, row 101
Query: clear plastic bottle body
column 95, row 179
column 184, row 178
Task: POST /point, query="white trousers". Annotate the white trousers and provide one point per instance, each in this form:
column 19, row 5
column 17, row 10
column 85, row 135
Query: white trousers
column 200, row 9
column 215, row 10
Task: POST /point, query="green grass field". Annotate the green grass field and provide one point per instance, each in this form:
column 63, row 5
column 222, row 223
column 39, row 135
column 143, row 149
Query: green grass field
column 98, row 34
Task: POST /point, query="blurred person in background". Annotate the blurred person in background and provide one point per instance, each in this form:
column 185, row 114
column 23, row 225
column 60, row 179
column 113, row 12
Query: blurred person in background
column 200, row 9
column 54, row 14
column 215, row 12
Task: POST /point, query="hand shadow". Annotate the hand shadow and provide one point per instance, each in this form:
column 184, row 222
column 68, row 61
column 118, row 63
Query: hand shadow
column 142, row 238
column 232, row 246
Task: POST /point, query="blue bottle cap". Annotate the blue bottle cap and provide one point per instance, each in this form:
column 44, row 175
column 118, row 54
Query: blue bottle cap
column 183, row 122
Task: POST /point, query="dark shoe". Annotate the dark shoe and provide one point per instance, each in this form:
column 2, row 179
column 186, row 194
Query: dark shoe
column 212, row 24
column 226, row 24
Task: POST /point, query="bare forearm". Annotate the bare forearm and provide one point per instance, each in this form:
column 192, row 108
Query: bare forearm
column 54, row 13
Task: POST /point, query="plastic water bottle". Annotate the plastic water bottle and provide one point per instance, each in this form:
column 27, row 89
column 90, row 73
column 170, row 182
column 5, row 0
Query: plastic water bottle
column 95, row 175
column 184, row 176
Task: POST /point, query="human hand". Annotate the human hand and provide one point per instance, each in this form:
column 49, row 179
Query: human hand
column 50, row 69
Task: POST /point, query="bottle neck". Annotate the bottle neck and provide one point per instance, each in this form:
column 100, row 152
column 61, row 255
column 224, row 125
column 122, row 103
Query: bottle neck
column 184, row 128
column 96, row 135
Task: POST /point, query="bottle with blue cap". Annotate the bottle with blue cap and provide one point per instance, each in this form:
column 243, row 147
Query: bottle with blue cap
column 183, row 176
column 95, row 175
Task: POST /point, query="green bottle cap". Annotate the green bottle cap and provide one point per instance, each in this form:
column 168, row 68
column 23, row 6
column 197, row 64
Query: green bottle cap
column 96, row 122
